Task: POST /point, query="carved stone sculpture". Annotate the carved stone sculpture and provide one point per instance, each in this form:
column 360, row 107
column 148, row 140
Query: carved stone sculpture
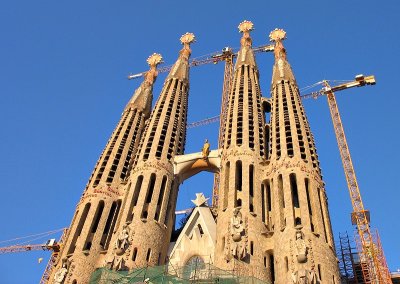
column 304, row 276
column 300, row 247
column 237, row 233
column 206, row 149
column 122, row 241
column 60, row 275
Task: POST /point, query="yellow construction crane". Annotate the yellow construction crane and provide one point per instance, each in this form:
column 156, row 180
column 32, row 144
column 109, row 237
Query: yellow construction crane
column 51, row 245
column 373, row 262
column 372, row 259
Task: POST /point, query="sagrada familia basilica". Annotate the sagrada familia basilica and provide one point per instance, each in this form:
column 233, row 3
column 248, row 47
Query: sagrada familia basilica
column 269, row 222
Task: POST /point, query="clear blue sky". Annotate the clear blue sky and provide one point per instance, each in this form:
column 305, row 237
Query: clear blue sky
column 63, row 67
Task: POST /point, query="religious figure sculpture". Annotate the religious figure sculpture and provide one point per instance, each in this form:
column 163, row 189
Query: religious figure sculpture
column 122, row 241
column 206, row 149
column 60, row 275
column 301, row 247
column 304, row 276
column 237, row 232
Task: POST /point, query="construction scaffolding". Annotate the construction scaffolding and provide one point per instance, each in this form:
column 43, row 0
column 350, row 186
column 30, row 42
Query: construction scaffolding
column 191, row 273
column 349, row 261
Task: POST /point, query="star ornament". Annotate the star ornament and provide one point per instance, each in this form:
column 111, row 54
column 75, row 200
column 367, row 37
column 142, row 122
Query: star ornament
column 200, row 200
column 277, row 35
column 187, row 38
column 154, row 59
column 245, row 26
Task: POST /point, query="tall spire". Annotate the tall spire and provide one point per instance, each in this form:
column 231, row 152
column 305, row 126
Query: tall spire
column 171, row 108
column 291, row 134
column 143, row 96
column 282, row 69
column 124, row 141
column 151, row 199
column 180, row 70
column 243, row 153
column 299, row 213
column 95, row 219
column 246, row 56
column 245, row 118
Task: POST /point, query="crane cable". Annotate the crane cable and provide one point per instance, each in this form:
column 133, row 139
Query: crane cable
column 213, row 119
column 34, row 236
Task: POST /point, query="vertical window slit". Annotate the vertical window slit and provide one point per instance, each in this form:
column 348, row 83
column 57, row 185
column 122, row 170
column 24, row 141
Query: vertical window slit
column 135, row 197
column 322, row 215
column 310, row 213
column 226, row 184
column 78, row 230
column 160, row 198
column 148, row 254
column 251, row 188
column 281, row 202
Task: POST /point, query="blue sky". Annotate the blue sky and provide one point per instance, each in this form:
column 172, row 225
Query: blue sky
column 63, row 86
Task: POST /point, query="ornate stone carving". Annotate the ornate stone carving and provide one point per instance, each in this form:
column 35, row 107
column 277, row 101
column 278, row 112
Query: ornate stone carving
column 200, row 200
column 245, row 27
column 301, row 251
column 304, row 276
column 301, row 247
column 121, row 249
column 288, row 163
column 277, row 36
column 237, row 238
column 122, row 242
column 152, row 165
column 206, row 149
column 186, row 40
column 61, row 273
column 151, row 75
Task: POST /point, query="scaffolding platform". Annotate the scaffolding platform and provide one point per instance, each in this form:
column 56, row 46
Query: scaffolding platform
column 169, row 275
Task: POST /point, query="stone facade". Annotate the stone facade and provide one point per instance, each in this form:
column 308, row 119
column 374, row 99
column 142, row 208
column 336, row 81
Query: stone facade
column 272, row 220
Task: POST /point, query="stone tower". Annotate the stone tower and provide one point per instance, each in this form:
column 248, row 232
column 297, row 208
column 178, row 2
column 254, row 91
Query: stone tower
column 95, row 217
column 293, row 189
column 272, row 220
column 148, row 215
column 239, row 221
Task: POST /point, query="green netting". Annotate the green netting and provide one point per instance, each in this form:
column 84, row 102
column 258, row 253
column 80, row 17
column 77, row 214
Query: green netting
column 169, row 275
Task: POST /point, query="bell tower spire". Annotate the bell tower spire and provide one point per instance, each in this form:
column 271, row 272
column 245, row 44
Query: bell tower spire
column 302, row 233
column 147, row 218
column 240, row 221
column 95, row 217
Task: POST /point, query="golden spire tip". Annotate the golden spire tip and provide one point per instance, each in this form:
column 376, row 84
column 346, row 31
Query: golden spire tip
column 188, row 38
column 154, row 59
column 246, row 26
column 277, row 35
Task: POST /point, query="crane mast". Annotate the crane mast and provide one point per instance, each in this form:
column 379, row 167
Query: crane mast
column 228, row 72
column 373, row 262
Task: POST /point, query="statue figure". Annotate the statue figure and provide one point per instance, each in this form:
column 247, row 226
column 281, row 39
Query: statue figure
column 206, row 149
column 60, row 275
column 304, row 276
column 237, row 231
column 301, row 247
column 119, row 264
column 122, row 242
